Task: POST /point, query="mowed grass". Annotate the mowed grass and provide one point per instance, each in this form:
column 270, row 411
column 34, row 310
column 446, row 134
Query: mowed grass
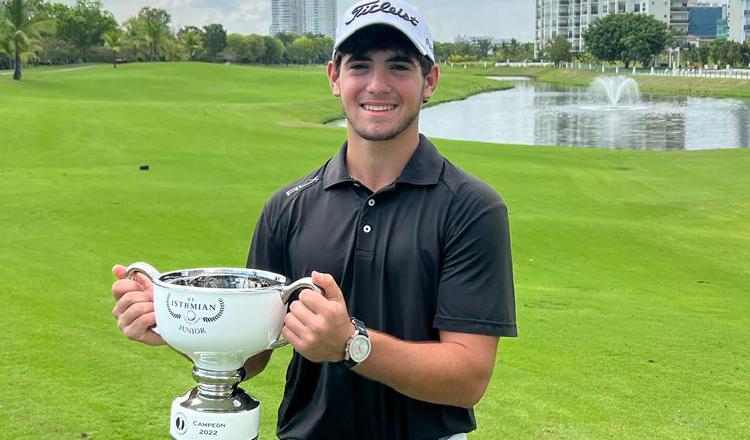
column 631, row 267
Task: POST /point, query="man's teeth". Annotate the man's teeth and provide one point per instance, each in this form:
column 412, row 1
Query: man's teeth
column 379, row 108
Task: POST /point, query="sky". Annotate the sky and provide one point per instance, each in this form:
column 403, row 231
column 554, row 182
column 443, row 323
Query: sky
column 446, row 18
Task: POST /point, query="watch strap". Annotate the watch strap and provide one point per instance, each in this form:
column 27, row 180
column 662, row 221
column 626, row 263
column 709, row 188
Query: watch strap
column 359, row 329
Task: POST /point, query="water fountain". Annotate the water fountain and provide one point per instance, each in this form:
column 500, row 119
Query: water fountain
column 615, row 90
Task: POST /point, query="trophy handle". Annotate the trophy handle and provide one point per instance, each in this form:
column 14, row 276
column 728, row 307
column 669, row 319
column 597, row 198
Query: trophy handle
column 286, row 293
column 150, row 272
column 302, row 283
column 144, row 268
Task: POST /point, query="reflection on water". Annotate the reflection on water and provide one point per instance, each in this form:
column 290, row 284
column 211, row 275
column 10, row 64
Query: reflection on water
column 544, row 114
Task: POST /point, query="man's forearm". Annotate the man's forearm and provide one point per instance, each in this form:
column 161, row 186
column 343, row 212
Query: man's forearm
column 454, row 371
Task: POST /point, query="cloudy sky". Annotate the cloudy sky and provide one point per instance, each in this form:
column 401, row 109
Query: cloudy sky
column 447, row 18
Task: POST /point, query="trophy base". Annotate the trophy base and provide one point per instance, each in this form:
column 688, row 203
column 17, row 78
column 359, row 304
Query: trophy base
column 192, row 424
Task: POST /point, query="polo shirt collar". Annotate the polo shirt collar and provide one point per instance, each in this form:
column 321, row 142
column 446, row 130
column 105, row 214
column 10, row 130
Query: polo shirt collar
column 424, row 167
column 336, row 171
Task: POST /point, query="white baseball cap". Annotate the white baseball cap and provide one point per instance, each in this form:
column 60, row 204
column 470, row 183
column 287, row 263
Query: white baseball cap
column 400, row 15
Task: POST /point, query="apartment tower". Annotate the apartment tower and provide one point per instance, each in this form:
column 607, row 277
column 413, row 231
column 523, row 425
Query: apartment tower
column 286, row 16
column 739, row 20
column 319, row 17
column 572, row 18
column 303, row 16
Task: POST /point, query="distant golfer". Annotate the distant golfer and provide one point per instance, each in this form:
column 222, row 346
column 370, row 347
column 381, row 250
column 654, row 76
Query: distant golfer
column 413, row 255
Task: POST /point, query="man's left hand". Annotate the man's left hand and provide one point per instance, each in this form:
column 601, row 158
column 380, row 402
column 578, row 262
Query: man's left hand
column 318, row 326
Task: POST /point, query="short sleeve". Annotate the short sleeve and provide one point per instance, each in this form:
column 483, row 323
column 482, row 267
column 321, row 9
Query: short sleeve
column 475, row 293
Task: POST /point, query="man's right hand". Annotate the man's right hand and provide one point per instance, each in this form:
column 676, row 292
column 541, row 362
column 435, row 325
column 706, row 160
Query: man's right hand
column 134, row 310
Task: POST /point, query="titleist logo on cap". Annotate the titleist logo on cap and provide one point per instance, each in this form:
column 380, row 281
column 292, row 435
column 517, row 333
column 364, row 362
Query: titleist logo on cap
column 385, row 7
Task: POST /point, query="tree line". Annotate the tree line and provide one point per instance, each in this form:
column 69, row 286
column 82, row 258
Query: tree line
column 40, row 32
column 483, row 49
column 719, row 52
column 643, row 40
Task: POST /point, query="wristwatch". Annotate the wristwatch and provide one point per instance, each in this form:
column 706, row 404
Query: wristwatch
column 358, row 346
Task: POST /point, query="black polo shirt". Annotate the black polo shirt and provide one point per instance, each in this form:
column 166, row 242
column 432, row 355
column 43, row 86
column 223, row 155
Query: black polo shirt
column 429, row 252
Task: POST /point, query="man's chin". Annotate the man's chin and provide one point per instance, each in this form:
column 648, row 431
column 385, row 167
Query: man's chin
column 378, row 135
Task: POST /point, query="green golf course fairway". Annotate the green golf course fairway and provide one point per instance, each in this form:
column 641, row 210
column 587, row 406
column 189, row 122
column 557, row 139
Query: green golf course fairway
column 631, row 267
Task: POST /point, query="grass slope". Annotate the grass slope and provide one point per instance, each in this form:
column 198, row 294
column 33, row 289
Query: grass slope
column 631, row 267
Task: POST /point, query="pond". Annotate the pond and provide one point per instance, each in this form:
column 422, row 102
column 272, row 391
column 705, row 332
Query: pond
column 535, row 113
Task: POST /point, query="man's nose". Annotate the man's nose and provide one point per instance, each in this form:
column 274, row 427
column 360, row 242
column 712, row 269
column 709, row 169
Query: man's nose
column 379, row 81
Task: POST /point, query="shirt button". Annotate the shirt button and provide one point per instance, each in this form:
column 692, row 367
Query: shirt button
column 367, row 229
column 371, row 202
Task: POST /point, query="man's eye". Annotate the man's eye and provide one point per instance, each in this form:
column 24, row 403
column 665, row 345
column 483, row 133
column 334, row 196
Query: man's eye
column 400, row 67
column 358, row 66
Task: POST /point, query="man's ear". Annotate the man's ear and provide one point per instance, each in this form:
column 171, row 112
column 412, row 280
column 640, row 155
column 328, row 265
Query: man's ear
column 333, row 77
column 431, row 82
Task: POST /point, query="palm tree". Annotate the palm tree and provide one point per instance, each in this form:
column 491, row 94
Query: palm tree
column 514, row 48
column 112, row 42
column 191, row 40
column 154, row 36
column 134, row 36
column 6, row 45
column 20, row 26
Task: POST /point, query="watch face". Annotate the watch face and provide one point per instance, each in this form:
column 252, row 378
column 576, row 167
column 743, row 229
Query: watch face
column 359, row 348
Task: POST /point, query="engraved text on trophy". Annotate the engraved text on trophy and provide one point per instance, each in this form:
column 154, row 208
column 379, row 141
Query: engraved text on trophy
column 195, row 313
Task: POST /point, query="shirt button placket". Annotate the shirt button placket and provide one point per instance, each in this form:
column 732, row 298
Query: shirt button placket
column 367, row 228
column 366, row 234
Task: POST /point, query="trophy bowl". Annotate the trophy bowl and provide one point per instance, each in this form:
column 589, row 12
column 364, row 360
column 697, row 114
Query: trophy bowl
column 219, row 317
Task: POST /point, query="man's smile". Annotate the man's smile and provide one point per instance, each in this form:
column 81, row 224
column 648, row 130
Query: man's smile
column 378, row 107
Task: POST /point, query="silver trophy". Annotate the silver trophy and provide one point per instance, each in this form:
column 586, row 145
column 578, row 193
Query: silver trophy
column 219, row 317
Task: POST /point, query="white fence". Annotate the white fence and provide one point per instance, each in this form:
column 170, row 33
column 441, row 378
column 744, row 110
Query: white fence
column 691, row 73
column 489, row 64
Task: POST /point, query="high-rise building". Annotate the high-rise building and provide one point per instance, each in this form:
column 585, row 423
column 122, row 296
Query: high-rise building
column 679, row 16
column 286, row 16
column 708, row 22
column 303, row 16
column 572, row 18
column 319, row 17
column 739, row 20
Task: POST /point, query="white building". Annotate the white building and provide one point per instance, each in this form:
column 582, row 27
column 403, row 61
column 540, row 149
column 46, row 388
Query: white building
column 303, row 16
column 739, row 20
column 572, row 18
column 286, row 16
column 679, row 16
column 319, row 17
column 475, row 40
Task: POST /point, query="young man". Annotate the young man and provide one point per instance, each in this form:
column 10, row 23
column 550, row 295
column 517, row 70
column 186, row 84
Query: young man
column 412, row 255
